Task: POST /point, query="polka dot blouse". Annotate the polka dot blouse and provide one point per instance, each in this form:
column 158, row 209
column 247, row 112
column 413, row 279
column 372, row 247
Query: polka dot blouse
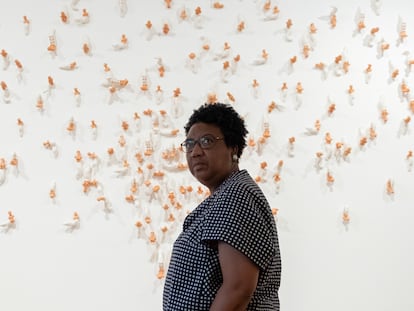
column 237, row 213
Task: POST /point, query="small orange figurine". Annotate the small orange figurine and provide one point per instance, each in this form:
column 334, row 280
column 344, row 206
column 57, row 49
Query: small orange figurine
column 161, row 271
column 345, row 66
column 10, row 224
column 183, row 14
column 312, row 29
column 330, row 180
column 231, row 97
column 402, row 31
column 305, row 50
column 411, row 106
column 372, row 133
column 272, row 106
column 78, row 156
column 177, row 92
column 289, row 23
column 255, row 87
column 19, row 65
column 323, row 68
column 374, row 30
column 299, row 88
column 218, row 5
column 71, row 66
column 332, row 21
column 389, row 188
column 26, row 25
column 345, row 217
column 291, row 146
column 360, row 22
column 409, row 159
column 14, row 161
column 64, row 17
column 3, row 164
column 394, row 74
column 77, row 95
column 71, row 127
column 384, row 115
column 6, row 92
column 266, row 130
column 351, row 89
column 168, row 3
column 331, row 109
column 405, row 90
column 318, row 160
column 351, row 94
column 11, row 217
column 363, row 141
column 50, row 82
column 166, row 28
column 240, row 26
column 328, row 138
column 74, row 223
column 6, row 59
column 52, row 193
column 346, row 153
column 84, row 18
column 382, row 46
column 40, row 104
column 123, row 44
column 368, row 73
column 20, row 125
column 161, row 71
column 404, row 126
column 86, row 48
column 4, row 86
column 152, row 238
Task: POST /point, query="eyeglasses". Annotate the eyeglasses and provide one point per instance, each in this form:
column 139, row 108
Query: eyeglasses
column 205, row 142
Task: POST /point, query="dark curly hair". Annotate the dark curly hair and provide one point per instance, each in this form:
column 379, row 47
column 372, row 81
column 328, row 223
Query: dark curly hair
column 224, row 117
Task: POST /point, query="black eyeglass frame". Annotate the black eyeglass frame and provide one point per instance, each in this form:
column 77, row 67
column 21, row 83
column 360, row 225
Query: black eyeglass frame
column 189, row 144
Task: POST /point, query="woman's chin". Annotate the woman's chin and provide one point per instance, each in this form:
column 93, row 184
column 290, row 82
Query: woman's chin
column 200, row 174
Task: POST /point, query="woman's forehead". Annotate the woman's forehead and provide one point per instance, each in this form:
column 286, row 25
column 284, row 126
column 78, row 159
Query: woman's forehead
column 201, row 128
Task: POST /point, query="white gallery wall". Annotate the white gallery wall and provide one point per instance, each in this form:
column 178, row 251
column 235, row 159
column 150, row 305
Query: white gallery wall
column 94, row 188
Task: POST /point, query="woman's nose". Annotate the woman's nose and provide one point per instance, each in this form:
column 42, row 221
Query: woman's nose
column 197, row 149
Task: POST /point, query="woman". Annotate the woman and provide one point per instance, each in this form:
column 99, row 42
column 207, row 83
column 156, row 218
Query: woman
column 227, row 257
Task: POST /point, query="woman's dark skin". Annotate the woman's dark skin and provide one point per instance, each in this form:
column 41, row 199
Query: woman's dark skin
column 211, row 167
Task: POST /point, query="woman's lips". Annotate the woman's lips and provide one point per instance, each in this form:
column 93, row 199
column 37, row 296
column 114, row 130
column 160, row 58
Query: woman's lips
column 198, row 165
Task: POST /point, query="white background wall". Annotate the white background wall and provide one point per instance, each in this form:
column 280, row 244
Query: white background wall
column 105, row 264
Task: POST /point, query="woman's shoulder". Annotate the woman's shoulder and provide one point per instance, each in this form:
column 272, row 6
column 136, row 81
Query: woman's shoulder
column 242, row 181
column 238, row 179
column 241, row 187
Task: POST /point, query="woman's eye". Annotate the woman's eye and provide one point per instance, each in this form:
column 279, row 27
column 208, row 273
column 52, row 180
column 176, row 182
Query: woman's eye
column 206, row 140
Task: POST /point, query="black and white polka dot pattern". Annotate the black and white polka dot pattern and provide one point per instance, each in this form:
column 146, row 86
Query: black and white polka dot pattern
column 236, row 213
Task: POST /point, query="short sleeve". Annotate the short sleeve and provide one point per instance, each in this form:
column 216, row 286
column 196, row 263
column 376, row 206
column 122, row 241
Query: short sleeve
column 241, row 219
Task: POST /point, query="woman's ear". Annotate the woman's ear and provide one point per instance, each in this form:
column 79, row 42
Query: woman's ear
column 234, row 154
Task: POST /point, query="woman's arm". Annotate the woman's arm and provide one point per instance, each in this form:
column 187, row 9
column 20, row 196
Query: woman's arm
column 240, row 277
